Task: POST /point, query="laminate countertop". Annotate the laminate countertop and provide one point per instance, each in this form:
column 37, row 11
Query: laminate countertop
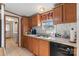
column 58, row 40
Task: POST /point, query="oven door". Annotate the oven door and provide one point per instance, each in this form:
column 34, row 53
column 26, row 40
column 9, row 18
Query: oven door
column 57, row 49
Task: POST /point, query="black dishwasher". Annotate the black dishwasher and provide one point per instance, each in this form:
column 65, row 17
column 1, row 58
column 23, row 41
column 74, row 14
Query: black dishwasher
column 57, row 49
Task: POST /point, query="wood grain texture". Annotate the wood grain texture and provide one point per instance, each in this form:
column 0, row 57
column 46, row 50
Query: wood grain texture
column 69, row 13
column 57, row 15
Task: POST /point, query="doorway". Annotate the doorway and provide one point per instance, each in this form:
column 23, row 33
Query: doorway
column 12, row 31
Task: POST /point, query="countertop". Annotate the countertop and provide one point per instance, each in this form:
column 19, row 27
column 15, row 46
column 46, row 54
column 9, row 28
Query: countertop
column 58, row 40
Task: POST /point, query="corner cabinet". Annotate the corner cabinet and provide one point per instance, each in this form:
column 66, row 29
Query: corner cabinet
column 69, row 12
column 57, row 15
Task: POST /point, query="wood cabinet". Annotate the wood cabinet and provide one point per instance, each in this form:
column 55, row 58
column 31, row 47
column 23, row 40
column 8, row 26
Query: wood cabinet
column 44, row 48
column 37, row 46
column 57, row 15
column 36, row 20
column 29, row 24
column 24, row 24
column 69, row 12
column 63, row 13
column 24, row 28
column 46, row 15
column 75, row 51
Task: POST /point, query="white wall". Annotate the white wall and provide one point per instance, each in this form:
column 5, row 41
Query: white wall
column 78, row 29
column 2, row 27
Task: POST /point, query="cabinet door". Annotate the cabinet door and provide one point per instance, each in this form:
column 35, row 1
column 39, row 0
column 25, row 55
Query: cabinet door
column 22, row 41
column 50, row 15
column 34, row 20
column 57, row 15
column 30, row 24
column 35, row 46
column 44, row 48
column 31, row 44
column 25, row 41
column 24, row 24
column 69, row 12
column 75, row 51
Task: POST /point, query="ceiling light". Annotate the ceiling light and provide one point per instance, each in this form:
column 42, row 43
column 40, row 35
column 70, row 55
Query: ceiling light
column 41, row 10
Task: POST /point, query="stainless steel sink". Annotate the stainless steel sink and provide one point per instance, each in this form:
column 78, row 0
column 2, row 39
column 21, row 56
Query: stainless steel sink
column 43, row 36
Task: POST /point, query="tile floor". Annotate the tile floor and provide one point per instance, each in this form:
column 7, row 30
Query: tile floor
column 13, row 50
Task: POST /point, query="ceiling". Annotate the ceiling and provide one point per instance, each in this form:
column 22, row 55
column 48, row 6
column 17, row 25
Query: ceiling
column 27, row 9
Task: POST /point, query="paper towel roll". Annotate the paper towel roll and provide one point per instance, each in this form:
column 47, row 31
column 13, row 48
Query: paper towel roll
column 72, row 35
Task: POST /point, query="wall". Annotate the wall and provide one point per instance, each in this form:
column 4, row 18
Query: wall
column 78, row 29
column 61, row 28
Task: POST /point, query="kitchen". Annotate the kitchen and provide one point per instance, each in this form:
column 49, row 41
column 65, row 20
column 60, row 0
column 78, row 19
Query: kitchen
column 40, row 36
column 49, row 32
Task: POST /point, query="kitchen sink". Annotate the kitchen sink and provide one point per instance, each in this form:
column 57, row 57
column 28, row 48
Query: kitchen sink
column 44, row 36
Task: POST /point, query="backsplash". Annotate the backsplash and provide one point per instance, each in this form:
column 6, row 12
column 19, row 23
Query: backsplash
column 60, row 28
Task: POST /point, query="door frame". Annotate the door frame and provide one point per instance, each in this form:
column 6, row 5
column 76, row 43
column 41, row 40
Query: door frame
column 5, row 29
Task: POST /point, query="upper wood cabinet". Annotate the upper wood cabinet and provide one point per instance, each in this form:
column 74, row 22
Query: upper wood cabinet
column 69, row 12
column 58, row 15
column 36, row 20
column 24, row 24
column 47, row 15
column 29, row 24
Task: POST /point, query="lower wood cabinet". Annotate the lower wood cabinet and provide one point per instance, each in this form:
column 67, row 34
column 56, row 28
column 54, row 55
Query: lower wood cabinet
column 37, row 46
column 44, row 48
column 24, row 41
column 75, row 51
